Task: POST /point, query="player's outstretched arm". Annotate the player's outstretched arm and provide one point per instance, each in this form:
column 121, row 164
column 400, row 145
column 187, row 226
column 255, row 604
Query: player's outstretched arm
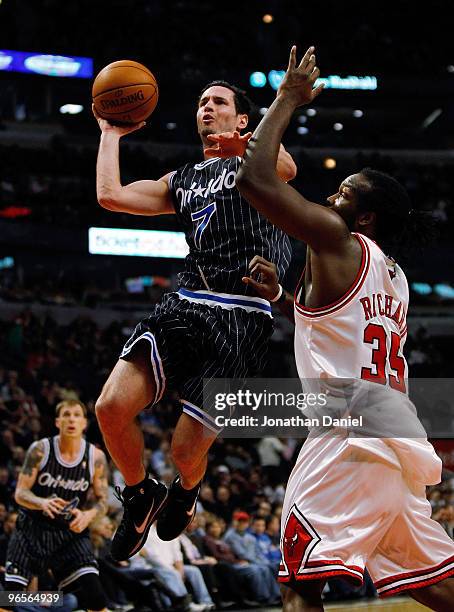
column 140, row 198
column 27, row 477
column 316, row 225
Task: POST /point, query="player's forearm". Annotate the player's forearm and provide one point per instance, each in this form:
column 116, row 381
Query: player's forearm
column 108, row 182
column 261, row 156
column 27, row 499
column 287, row 306
column 99, row 509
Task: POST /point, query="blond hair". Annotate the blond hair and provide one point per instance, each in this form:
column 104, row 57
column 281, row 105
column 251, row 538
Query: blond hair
column 68, row 403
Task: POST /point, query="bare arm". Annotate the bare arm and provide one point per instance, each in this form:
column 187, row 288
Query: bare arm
column 100, row 483
column 312, row 223
column 27, row 477
column 83, row 518
column 139, row 198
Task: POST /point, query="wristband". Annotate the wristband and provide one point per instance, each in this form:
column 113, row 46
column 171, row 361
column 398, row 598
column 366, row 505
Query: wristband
column 280, row 295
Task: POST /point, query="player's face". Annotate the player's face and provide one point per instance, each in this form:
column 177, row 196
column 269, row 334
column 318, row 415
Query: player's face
column 71, row 421
column 217, row 112
column 345, row 200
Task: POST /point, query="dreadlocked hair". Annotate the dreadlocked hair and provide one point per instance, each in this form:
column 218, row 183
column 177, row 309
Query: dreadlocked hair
column 399, row 227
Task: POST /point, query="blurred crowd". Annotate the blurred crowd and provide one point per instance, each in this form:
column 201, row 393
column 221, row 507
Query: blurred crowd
column 371, row 45
column 58, row 188
column 229, row 556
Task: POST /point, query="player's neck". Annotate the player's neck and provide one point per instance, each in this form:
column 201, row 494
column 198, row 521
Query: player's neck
column 69, row 446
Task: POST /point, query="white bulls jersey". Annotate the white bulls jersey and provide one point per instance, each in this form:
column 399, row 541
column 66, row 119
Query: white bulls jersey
column 360, row 337
column 362, row 334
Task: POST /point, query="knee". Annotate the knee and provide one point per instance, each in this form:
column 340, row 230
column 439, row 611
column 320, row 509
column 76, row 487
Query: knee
column 108, row 412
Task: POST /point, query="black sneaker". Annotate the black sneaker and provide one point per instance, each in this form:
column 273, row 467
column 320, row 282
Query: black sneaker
column 179, row 511
column 141, row 508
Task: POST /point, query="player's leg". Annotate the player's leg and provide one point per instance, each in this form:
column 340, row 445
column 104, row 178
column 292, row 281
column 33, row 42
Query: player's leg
column 128, row 390
column 439, row 597
column 191, row 442
column 89, row 592
column 302, row 596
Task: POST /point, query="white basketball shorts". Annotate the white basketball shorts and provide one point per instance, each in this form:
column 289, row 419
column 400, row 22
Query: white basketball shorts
column 344, row 510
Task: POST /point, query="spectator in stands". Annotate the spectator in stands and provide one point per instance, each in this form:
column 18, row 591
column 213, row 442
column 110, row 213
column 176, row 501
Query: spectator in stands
column 271, row 552
column 246, row 548
column 166, row 558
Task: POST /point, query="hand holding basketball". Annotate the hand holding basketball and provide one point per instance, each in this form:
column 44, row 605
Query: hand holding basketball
column 121, row 130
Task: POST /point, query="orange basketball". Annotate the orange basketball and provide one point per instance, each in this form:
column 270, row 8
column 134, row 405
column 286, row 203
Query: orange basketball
column 125, row 92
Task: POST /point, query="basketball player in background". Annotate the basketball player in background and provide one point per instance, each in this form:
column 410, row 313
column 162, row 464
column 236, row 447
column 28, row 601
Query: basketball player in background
column 52, row 527
column 350, row 501
column 212, row 327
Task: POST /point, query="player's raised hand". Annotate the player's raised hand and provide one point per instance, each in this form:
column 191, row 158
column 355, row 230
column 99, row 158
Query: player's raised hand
column 121, row 130
column 298, row 82
column 52, row 506
column 227, row 144
column 263, row 277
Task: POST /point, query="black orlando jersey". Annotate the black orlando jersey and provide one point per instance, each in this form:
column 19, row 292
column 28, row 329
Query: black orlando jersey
column 58, row 478
column 222, row 230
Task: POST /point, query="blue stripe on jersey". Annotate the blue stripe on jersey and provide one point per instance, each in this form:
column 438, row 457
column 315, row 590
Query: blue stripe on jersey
column 222, row 300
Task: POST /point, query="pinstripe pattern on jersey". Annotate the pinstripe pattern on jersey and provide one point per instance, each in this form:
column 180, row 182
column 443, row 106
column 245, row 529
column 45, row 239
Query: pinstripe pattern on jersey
column 234, row 233
column 69, row 481
column 197, row 341
column 36, row 547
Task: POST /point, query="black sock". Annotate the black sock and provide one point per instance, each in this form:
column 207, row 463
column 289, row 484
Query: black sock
column 130, row 491
column 186, row 494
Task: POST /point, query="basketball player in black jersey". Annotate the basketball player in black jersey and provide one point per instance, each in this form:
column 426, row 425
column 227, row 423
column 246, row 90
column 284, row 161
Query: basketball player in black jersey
column 52, row 528
column 214, row 326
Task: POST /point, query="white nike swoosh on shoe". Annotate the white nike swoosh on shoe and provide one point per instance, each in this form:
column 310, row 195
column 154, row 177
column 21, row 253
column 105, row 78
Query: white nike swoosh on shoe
column 141, row 528
column 189, row 512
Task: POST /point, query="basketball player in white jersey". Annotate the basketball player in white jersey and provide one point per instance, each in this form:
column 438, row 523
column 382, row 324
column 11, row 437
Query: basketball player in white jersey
column 350, row 501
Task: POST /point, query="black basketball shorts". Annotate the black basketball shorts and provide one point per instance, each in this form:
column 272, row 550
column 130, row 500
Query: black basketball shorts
column 197, row 335
column 35, row 547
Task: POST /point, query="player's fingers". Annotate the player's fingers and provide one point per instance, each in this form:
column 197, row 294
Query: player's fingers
column 314, row 74
column 264, row 267
column 247, row 280
column 246, row 136
column 93, row 108
column 310, row 65
column 214, row 137
column 292, row 58
column 255, row 259
column 306, row 57
column 318, row 90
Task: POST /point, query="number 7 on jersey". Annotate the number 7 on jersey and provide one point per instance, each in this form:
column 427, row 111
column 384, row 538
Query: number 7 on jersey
column 203, row 215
